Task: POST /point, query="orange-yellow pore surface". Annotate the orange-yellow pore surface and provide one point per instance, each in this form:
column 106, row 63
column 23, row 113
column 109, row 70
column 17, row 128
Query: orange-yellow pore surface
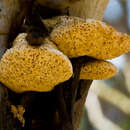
column 76, row 37
column 98, row 70
column 29, row 68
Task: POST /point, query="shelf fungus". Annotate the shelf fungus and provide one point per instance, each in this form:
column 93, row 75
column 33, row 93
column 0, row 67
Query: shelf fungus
column 76, row 37
column 98, row 70
column 29, row 68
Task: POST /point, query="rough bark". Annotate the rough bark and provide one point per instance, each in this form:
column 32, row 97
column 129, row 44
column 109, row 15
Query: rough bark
column 60, row 109
column 9, row 12
column 89, row 9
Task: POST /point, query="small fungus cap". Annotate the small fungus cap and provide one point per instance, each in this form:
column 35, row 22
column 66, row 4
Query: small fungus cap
column 98, row 70
column 76, row 37
column 28, row 68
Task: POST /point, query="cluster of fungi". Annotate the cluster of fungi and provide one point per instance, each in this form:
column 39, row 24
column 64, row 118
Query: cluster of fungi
column 40, row 68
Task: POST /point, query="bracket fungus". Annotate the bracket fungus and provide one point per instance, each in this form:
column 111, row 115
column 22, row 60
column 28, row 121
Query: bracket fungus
column 97, row 70
column 76, row 37
column 29, row 68
column 41, row 68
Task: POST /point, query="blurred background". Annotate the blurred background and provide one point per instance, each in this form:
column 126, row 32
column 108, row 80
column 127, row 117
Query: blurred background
column 108, row 103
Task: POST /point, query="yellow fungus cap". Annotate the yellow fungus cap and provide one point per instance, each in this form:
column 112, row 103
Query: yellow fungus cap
column 76, row 37
column 28, row 68
column 98, row 70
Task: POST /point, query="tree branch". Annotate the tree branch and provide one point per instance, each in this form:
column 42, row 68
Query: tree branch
column 86, row 9
column 41, row 109
column 89, row 9
column 9, row 10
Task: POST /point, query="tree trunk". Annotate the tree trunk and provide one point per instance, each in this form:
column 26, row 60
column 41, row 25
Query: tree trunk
column 60, row 109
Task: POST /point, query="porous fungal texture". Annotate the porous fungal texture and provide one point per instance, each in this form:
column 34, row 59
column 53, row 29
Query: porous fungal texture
column 28, row 68
column 76, row 37
column 98, row 70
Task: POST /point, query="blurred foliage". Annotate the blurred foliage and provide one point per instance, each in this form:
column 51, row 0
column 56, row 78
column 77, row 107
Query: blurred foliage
column 126, row 124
